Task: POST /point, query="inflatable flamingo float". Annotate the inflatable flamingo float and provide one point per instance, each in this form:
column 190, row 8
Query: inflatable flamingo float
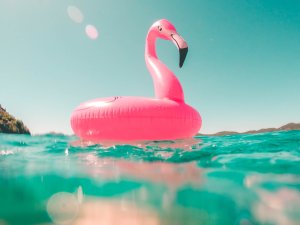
column 127, row 119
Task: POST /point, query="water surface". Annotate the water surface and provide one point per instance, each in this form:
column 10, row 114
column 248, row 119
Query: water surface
column 237, row 179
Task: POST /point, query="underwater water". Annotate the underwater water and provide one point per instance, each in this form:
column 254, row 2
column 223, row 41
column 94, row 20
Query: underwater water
column 237, row 179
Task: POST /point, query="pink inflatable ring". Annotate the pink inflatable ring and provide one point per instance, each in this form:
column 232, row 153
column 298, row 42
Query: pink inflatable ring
column 127, row 119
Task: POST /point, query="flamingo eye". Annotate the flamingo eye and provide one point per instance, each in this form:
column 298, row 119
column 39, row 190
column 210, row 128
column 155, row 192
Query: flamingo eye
column 159, row 28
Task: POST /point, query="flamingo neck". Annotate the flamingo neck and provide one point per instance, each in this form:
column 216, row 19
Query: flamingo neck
column 166, row 85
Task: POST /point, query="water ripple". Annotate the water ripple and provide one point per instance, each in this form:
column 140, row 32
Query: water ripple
column 236, row 179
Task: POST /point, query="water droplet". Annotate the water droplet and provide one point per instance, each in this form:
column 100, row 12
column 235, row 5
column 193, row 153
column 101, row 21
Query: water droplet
column 75, row 14
column 91, row 32
column 62, row 207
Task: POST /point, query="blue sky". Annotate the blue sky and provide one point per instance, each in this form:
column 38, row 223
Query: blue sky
column 242, row 71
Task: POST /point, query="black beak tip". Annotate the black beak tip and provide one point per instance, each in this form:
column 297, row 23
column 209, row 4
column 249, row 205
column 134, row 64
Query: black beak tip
column 182, row 54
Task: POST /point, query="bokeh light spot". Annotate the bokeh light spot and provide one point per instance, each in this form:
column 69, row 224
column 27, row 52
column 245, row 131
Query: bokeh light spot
column 91, row 32
column 75, row 14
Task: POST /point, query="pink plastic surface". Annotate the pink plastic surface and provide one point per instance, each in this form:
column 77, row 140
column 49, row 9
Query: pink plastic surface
column 126, row 119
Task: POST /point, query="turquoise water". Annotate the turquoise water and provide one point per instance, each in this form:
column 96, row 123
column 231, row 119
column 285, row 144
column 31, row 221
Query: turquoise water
column 238, row 179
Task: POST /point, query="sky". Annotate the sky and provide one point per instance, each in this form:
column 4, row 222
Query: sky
column 242, row 71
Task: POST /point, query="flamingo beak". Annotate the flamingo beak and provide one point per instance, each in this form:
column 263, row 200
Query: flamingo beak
column 182, row 47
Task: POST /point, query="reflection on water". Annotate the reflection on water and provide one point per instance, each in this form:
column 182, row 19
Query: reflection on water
column 167, row 174
column 239, row 179
column 185, row 144
column 278, row 207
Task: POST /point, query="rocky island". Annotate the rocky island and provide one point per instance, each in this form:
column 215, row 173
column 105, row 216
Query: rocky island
column 289, row 126
column 10, row 125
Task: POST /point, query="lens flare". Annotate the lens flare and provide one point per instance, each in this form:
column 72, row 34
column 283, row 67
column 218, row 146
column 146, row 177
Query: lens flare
column 75, row 14
column 91, row 32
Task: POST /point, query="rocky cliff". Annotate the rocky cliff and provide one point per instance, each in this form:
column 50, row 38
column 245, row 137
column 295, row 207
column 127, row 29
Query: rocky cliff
column 10, row 125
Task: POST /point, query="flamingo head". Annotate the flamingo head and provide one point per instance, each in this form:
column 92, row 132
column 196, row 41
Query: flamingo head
column 166, row 30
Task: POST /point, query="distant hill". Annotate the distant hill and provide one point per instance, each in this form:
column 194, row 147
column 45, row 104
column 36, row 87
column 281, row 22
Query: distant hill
column 10, row 125
column 289, row 126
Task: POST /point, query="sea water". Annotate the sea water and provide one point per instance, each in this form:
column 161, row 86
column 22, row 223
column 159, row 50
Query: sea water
column 237, row 179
